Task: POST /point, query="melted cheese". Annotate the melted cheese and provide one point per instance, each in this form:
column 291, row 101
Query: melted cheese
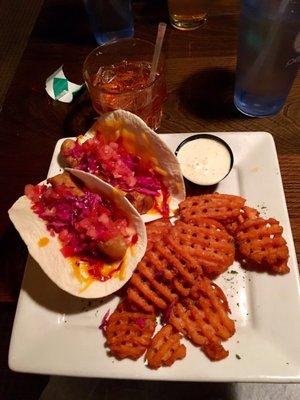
column 80, row 270
column 161, row 171
column 122, row 271
column 107, row 269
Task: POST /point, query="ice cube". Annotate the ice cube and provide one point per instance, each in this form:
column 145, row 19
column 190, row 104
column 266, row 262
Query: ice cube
column 97, row 77
column 108, row 75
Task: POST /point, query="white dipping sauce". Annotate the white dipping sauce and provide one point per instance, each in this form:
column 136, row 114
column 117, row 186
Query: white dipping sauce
column 204, row 161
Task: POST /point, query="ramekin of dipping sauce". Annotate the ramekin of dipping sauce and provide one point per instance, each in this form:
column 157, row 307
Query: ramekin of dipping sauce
column 204, row 159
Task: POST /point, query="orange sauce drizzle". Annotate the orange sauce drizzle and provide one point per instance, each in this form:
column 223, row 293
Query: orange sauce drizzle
column 43, row 242
column 86, row 273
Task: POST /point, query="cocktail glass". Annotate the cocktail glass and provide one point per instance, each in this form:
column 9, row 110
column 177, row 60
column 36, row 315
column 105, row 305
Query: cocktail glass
column 117, row 75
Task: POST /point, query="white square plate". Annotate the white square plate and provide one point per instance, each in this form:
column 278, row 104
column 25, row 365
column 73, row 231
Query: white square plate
column 56, row 333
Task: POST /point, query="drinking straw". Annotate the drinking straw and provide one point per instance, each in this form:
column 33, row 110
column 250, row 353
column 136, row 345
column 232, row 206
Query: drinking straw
column 159, row 41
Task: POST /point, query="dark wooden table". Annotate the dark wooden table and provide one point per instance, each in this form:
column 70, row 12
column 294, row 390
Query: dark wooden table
column 200, row 78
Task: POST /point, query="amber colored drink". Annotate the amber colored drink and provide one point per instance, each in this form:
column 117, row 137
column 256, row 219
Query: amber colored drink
column 187, row 14
column 126, row 86
column 118, row 77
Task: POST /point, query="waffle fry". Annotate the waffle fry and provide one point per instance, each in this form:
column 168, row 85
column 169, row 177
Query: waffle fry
column 213, row 302
column 215, row 351
column 221, row 207
column 165, row 348
column 208, row 244
column 246, row 213
column 173, row 279
column 204, row 318
column 161, row 277
column 129, row 332
column 156, row 230
column 261, row 241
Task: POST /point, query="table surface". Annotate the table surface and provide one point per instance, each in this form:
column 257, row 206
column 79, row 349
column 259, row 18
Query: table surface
column 200, row 78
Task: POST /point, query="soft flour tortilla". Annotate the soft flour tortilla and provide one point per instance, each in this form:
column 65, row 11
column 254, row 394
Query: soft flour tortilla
column 148, row 145
column 54, row 264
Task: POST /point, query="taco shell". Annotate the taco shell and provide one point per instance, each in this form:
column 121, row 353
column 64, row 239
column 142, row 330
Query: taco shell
column 59, row 269
column 143, row 141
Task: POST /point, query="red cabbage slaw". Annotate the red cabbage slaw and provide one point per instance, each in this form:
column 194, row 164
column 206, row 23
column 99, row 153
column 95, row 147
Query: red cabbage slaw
column 79, row 221
column 115, row 165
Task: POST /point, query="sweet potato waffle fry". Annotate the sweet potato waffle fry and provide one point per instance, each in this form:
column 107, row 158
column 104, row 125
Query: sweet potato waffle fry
column 128, row 332
column 173, row 279
column 203, row 318
column 246, row 213
column 156, row 230
column 161, row 277
column 165, row 348
column 207, row 243
column 221, row 207
column 261, row 241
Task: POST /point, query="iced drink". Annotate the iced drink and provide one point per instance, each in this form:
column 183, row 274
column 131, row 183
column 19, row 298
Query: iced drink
column 123, row 82
column 268, row 55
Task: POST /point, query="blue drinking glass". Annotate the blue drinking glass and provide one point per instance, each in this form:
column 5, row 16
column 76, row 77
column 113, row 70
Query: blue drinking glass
column 268, row 55
column 110, row 19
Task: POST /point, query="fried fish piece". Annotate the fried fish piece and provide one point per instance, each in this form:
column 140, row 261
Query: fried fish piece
column 115, row 248
column 221, row 207
column 207, row 242
column 165, row 348
column 260, row 240
column 143, row 203
column 69, row 181
column 128, row 332
column 203, row 318
column 66, row 153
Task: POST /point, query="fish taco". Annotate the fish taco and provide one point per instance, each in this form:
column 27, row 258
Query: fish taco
column 124, row 152
column 85, row 236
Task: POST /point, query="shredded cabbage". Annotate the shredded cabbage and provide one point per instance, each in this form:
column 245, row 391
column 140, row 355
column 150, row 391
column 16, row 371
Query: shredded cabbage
column 80, row 221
